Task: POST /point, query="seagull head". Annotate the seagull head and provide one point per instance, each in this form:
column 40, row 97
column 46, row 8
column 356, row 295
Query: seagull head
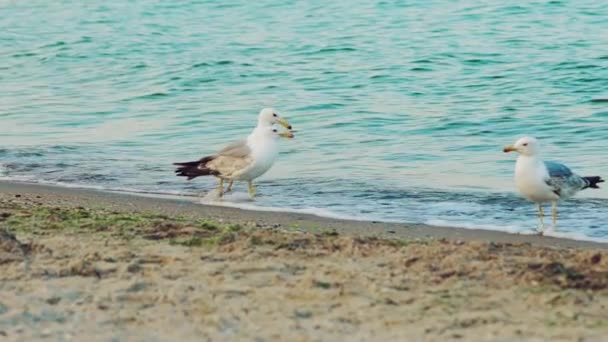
column 269, row 117
column 526, row 146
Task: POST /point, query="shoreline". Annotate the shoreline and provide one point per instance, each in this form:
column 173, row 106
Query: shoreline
column 169, row 269
column 145, row 203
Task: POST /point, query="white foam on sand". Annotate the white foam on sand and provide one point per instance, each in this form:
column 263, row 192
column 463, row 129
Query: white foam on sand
column 514, row 229
column 469, row 225
column 572, row 236
column 242, row 201
column 24, row 179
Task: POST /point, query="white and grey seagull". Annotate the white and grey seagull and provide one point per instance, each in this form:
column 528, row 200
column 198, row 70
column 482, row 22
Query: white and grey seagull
column 541, row 182
column 243, row 160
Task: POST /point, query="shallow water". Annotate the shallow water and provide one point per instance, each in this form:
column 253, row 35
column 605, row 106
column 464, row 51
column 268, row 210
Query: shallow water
column 401, row 108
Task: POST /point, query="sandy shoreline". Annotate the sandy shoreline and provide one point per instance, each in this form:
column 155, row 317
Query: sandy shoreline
column 81, row 265
column 71, row 197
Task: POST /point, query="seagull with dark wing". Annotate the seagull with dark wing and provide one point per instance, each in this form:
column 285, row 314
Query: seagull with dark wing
column 244, row 160
column 540, row 181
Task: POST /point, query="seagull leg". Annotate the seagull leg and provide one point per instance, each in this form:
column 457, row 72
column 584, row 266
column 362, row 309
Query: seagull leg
column 220, row 188
column 554, row 214
column 541, row 214
column 229, row 186
column 251, row 189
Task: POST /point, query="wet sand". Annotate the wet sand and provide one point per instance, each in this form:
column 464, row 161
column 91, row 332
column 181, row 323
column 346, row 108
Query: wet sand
column 190, row 207
column 80, row 264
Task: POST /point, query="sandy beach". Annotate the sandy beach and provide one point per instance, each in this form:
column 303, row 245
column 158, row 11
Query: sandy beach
column 81, row 264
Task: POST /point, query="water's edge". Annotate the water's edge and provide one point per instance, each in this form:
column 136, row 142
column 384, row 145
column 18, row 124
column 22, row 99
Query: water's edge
column 241, row 201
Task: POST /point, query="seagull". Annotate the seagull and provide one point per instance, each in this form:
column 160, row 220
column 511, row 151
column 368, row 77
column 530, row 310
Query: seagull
column 243, row 160
column 547, row 181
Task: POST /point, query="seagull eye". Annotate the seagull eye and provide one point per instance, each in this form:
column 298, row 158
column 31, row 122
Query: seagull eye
column 274, row 114
column 526, row 144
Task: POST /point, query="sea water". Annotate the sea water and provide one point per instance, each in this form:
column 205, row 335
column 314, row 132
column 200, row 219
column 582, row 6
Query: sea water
column 401, row 107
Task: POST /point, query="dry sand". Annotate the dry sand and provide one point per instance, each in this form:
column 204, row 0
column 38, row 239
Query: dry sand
column 85, row 265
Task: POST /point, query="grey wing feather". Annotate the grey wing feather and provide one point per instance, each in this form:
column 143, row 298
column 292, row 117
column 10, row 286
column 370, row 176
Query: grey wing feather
column 557, row 169
column 232, row 159
column 563, row 181
column 237, row 149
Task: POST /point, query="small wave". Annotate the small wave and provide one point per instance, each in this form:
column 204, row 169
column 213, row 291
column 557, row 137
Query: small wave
column 330, row 50
column 513, row 229
column 601, row 114
column 29, row 179
column 19, row 178
column 321, row 106
column 573, row 236
column 200, row 65
column 379, row 77
column 24, row 54
column 220, row 62
column 55, row 44
column 153, row 95
column 239, row 201
column 599, row 100
column 469, row 225
column 224, row 62
column 421, row 69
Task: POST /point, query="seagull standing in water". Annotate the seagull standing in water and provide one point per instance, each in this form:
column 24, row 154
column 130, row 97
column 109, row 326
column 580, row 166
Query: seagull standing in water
column 542, row 182
column 243, row 160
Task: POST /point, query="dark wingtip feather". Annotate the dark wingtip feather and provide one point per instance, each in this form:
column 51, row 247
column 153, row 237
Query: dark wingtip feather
column 592, row 182
column 194, row 169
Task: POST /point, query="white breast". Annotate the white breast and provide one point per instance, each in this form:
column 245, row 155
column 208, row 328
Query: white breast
column 530, row 176
column 264, row 150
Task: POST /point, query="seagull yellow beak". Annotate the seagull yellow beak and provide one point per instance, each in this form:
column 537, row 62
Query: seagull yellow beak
column 287, row 135
column 283, row 122
column 509, row 148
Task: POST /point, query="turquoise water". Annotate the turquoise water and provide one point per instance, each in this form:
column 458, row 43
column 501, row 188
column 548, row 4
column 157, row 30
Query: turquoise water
column 401, row 107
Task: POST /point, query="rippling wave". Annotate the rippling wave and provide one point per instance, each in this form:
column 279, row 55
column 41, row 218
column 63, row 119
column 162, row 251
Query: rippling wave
column 401, row 107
